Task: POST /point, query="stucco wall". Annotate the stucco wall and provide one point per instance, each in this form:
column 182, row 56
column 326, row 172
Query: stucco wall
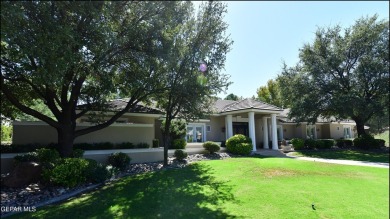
column 216, row 124
column 290, row 131
column 38, row 132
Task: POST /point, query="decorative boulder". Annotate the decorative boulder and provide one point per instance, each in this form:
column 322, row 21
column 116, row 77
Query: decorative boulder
column 23, row 174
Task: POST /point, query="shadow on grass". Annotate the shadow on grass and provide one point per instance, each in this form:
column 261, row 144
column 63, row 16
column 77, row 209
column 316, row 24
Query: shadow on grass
column 191, row 192
column 357, row 155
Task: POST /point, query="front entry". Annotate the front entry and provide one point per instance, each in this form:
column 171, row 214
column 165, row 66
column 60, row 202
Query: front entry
column 194, row 133
column 240, row 128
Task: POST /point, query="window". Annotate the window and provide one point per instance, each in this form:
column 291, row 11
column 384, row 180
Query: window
column 347, row 132
column 208, row 128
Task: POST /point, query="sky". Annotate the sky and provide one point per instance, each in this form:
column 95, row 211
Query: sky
column 268, row 33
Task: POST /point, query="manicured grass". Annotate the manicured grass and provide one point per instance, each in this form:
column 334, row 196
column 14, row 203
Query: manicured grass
column 385, row 136
column 238, row 188
column 346, row 155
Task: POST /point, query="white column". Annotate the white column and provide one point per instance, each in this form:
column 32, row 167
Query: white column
column 251, row 116
column 229, row 125
column 226, row 128
column 265, row 133
column 274, row 133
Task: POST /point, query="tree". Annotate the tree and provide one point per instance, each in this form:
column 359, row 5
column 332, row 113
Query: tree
column 196, row 54
column 271, row 94
column 231, row 97
column 64, row 54
column 341, row 74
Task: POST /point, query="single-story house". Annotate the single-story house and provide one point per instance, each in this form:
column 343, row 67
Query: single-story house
column 265, row 124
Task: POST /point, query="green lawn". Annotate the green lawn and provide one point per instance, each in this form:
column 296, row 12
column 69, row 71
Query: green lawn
column 385, row 136
column 346, row 155
column 238, row 188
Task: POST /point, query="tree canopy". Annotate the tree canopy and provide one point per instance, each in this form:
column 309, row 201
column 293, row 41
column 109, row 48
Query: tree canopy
column 343, row 73
column 271, row 94
column 64, row 54
column 231, row 97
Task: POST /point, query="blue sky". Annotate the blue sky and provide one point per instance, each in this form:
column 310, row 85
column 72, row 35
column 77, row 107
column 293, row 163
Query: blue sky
column 267, row 33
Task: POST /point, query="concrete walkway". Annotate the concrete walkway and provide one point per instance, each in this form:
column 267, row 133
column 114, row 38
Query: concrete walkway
column 280, row 153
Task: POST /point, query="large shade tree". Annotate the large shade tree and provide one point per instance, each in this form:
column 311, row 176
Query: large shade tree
column 196, row 55
column 64, row 54
column 343, row 73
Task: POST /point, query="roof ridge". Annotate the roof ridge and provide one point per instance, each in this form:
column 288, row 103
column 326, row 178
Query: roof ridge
column 230, row 105
column 269, row 104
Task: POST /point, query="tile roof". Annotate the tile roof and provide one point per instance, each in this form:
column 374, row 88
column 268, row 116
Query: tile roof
column 119, row 104
column 222, row 106
column 284, row 118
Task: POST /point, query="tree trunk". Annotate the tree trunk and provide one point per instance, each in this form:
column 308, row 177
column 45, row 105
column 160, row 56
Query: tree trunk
column 166, row 139
column 360, row 127
column 65, row 140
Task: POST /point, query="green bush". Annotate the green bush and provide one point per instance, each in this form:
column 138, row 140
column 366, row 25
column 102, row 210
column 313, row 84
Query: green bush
column 124, row 145
column 298, row 143
column 77, row 153
column 348, row 143
column 6, row 133
column 47, row 156
column 325, row 143
column 239, row 144
column 178, row 144
column 180, row 155
column 156, row 143
column 20, row 148
column 143, row 145
column 210, row 146
column 380, row 142
column 28, row 157
column 96, row 172
column 70, row 172
column 119, row 160
column 310, row 143
column 366, row 142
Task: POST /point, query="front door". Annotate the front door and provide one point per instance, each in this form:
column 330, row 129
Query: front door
column 240, row 128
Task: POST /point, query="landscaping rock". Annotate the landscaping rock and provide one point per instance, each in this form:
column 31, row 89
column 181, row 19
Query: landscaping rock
column 23, row 174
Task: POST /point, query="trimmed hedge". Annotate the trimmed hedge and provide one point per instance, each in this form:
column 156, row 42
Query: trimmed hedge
column 211, row 146
column 239, row 144
column 156, row 143
column 24, row 148
column 367, row 142
column 119, row 160
column 298, row 143
column 344, row 143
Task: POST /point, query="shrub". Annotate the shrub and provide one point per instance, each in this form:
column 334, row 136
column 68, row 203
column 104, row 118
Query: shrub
column 77, row 153
column 239, row 144
column 6, row 133
column 180, row 155
column 70, row 172
column 366, row 142
column 96, row 172
column 178, row 144
column 310, row 143
column 119, row 160
column 210, row 146
column 143, row 145
column 348, row 143
column 28, row 157
column 298, row 143
column 47, row 156
column 325, row 143
column 156, row 143
column 380, row 142
column 125, row 145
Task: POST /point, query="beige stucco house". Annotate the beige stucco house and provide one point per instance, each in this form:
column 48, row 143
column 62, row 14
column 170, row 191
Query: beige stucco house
column 265, row 124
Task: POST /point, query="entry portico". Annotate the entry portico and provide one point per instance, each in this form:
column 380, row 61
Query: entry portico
column 255, row 114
